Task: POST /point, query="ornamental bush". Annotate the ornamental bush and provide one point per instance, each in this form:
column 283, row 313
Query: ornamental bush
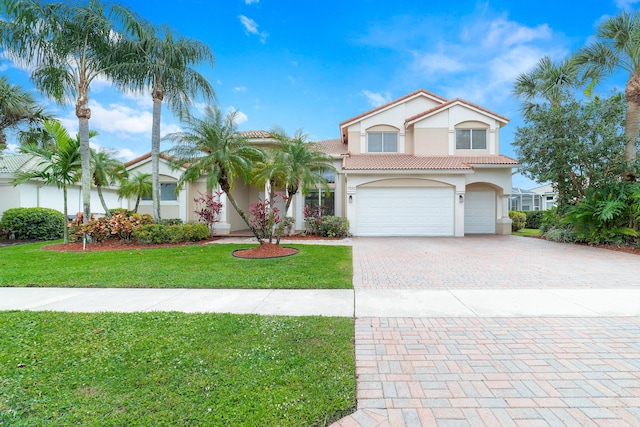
column 120, row 225
column 333, row 226
column 159, row 233
column 518, row 220
column 33, row 223
column 534, row 219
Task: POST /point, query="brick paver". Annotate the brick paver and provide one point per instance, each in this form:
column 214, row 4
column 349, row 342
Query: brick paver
column 498, row 371
column 486, row 262
column 507, row 371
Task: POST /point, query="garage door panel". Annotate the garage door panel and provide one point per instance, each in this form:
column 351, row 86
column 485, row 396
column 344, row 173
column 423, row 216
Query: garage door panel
column 404, row 212
column 480, row 212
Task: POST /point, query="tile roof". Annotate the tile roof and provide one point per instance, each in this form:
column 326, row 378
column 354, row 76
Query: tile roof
column 410, row 162
column 256, row 134
column 330, row 146
column 145, row 157
column 450, row 103
column 12, row 163
column 395, row 101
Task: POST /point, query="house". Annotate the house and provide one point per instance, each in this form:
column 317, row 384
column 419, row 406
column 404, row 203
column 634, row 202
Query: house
column 417, row 166
column 35, row 193
column 537, row 199
column 422, row 165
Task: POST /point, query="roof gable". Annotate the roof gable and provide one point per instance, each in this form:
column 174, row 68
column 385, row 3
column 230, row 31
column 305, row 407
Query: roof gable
column 452, row 103
column 388, row 105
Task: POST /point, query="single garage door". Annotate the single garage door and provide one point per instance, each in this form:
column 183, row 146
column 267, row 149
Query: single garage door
column 404, row 212
column 480, row 212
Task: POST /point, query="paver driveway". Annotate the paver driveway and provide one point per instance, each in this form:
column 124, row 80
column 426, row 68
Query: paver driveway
column 510, row 371
column 487, row 262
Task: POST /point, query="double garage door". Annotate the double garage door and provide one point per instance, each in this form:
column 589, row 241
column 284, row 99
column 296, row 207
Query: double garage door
column 404, row 211
column 421, row 212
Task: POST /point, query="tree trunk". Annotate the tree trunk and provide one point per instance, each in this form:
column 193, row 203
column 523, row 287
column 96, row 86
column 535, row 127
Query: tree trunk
column 85, row 160
column 287, row 205
column 155, row 154
column 65, row 231
column 631, row 130
column 242, row 214
column 104, row 204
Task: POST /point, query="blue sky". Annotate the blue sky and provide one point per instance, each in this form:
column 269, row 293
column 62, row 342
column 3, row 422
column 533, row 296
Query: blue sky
column 311, row 64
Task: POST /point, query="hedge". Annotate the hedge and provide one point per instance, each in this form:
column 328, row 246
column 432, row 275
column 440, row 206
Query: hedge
column 33, row 223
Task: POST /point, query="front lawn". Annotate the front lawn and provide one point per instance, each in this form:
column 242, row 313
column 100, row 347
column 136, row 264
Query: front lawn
column 197, row 266
column 173, row 369
column 526, row 232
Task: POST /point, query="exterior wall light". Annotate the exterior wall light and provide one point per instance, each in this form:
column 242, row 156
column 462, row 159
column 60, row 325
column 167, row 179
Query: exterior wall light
column 461, row 198
column 350, row 198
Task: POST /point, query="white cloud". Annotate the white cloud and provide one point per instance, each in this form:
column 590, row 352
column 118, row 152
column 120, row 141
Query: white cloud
column 436, row 63
column 239, row 89
column 377, row 99
column 291, row 80
column 251, row 1
column 119, row 118
column 251, row 27
column 240, row 116
column 504, row 33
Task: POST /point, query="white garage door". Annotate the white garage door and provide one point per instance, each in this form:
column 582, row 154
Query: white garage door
column 404, row 212
column 480, row 212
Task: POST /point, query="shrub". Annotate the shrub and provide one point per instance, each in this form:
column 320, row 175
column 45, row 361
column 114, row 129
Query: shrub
column 312, row 218
column 518, row 220
column 287, row 225
column 333, row 226
column 561, row 234
column 120, row 225
column 208, row 209
column 171, row 221
column 159, row 233
column 33, row 223
column 550, row 219
column 534, row 219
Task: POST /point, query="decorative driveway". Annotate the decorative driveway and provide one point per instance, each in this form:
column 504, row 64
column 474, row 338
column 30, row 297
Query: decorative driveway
column 487, row 262
column 453, row 369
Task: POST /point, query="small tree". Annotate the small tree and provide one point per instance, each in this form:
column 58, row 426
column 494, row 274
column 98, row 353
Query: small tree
column 138, row 186
column 208, row 209
column 574, row 145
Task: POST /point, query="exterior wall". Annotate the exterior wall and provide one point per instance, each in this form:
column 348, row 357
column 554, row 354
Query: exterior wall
column 431, row 142
column 34, row 194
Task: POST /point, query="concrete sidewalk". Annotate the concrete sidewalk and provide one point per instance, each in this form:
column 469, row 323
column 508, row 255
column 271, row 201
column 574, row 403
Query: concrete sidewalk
column 339, row 302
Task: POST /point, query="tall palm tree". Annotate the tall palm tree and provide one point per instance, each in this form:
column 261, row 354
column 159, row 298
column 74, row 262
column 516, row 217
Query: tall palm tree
column 60, row 166
column 138, row 185
column 67, row 46
column 617, row 46
column 213, row 147
column 106, row 170
column 547, row 82
column 163, row 64
column 304, row 167
column 17, row 107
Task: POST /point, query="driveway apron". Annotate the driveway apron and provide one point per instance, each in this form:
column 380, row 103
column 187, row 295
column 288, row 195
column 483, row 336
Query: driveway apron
column 543, row 334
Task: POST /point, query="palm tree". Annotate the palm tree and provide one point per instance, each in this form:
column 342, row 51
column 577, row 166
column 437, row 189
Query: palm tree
column 67, row 46
column 138, row 186
column 106, row 171
column 17, row 107
column 163, row 64
column 546, row 82
column 617, row 46
column 60, row 166
column 212, row 146
column 303, row 166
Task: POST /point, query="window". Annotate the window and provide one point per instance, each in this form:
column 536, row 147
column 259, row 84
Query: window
column 321, row 198
column 167, row 192
column 382, row 142
column 471, row 139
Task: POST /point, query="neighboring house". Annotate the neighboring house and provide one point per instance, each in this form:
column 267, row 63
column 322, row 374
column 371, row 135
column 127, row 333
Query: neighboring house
column 35, row 193
column 416, row 166
column 425, row 166
column 537, row 199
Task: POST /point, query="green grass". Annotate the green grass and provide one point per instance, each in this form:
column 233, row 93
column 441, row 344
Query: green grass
column 527, row 232
column 173, row 369
column 198, row 266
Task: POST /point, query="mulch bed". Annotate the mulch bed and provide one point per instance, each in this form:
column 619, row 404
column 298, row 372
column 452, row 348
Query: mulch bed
column 265, row 250
column 116, row 245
